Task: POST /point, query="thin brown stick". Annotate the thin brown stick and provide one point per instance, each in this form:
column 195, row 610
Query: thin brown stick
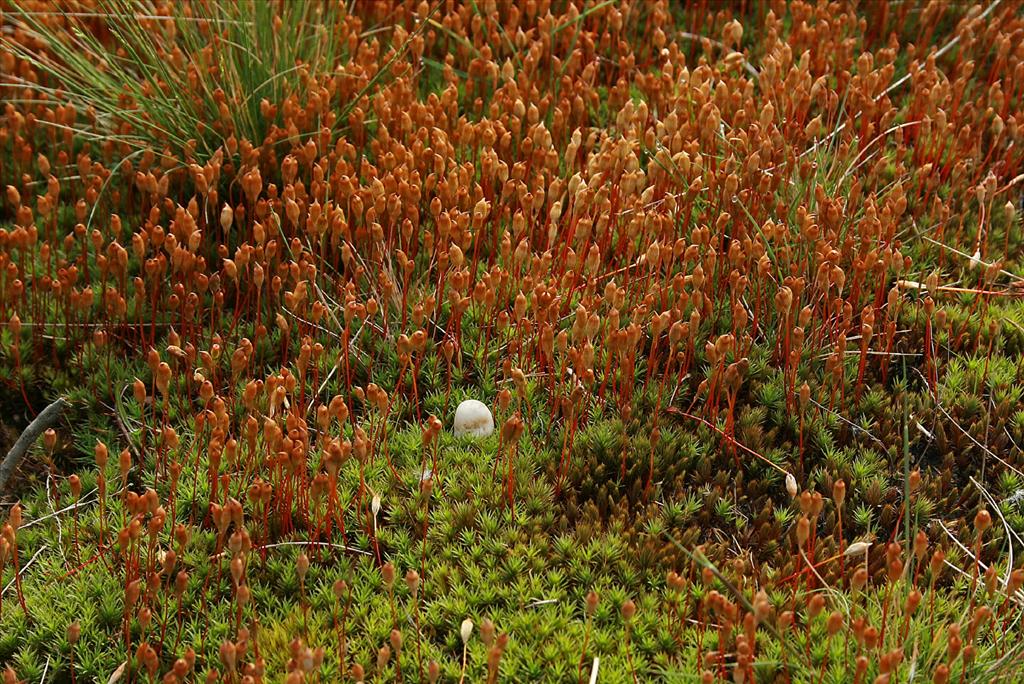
column 46, row 419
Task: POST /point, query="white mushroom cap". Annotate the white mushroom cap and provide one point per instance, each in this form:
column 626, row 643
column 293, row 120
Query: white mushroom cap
column 473, row 418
